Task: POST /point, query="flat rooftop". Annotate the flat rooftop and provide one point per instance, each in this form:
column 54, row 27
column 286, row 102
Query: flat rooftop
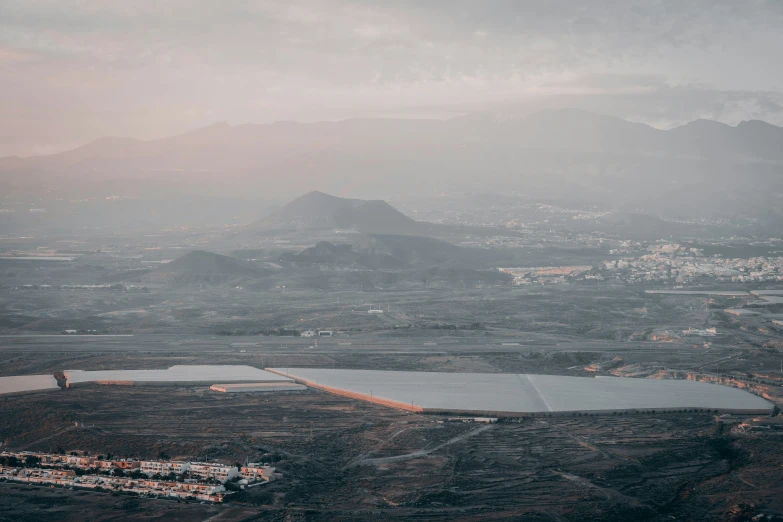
column 180, row 374
column 27, row 383
column 503, row 393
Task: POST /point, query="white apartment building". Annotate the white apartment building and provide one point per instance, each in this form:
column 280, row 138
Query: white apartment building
column 164, row 467
column 112, row 464
column 48, row 459
column 254, row 472
column 210, row 470
column 80, row 462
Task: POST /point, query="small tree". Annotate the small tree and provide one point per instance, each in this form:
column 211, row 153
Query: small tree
column 32, row 461
column 232, row 486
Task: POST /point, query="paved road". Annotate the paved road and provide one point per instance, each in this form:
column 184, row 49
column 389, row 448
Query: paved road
column 173, row 343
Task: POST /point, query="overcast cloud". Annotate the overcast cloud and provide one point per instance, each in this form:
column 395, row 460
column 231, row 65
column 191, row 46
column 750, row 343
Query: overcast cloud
column 77, row 70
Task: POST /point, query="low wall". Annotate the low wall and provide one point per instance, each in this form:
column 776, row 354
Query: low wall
column 354, row 395
column 119, row 382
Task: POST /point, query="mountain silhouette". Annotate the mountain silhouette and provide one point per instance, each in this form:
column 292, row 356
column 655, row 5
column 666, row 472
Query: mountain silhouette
column 551, row 154
column 316, row 210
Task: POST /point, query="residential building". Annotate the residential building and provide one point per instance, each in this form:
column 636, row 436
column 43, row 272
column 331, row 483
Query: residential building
column 254, row 471
column 212, row 471
column 164, row 467
column 80, row 461
column 122, row 464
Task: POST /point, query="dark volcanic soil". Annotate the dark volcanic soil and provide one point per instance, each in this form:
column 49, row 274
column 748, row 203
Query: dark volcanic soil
column 349, row 460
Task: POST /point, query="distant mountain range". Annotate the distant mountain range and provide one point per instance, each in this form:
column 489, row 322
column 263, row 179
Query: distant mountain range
column 567, row 129
column 701, row 167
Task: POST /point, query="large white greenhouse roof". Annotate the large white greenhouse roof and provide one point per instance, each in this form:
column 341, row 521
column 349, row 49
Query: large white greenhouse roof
column 180, row 374
column 504, row 393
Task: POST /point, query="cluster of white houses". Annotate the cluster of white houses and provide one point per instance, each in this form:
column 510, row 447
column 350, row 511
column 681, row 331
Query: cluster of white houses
column 202, row 470
column 147, row 487
column 195, row 480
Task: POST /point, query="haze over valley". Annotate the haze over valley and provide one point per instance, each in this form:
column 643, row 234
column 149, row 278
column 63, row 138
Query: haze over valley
column 234, row 174
column 391, row 261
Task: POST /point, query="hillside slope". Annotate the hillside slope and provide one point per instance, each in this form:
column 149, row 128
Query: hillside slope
column 200, row 267
column 316, row 210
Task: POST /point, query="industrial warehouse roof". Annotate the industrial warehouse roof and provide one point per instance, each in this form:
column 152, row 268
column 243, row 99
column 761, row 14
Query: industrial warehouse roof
column 181, row 374
column 27, row 383
column 523, row 393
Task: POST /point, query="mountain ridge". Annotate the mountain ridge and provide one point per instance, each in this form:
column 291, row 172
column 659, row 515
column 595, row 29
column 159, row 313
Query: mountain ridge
column 222, row 127
column 598, row 159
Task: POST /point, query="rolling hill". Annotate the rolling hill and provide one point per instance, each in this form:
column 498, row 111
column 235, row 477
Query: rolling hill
column 412, row 250
column 316, row 210
column 200, row 267
column 342, row 255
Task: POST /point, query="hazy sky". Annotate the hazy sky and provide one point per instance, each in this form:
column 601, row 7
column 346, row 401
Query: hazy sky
column 72, row 71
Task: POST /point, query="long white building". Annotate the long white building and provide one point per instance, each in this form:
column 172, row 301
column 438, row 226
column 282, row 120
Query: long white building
column 163, row 467
column 27, row 383
column 176, row 375
column 212, row 471
column 503, row 394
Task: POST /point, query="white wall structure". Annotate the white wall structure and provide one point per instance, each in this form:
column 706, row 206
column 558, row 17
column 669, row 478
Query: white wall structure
column 509, row 394
column 181, row 374
column 27, row 383
column 250, row 387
